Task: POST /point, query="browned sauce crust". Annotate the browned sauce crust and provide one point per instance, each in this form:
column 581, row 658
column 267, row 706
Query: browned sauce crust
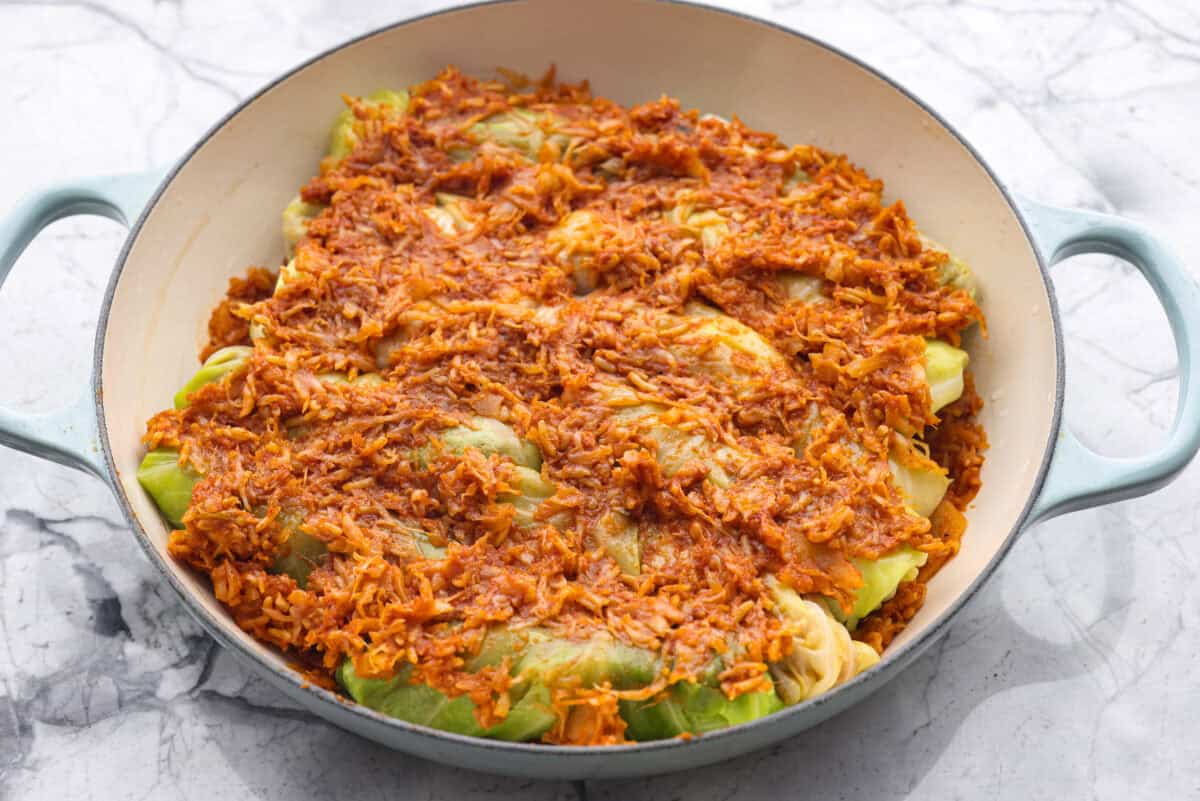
column 467, row 314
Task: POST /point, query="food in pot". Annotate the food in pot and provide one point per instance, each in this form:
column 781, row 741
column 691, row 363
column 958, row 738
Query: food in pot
column 569, row 422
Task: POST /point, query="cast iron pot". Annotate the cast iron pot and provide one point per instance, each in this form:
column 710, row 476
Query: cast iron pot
column 217, row 211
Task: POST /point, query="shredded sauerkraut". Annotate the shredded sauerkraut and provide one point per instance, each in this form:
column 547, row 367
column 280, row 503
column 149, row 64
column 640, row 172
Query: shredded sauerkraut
column 548, row 381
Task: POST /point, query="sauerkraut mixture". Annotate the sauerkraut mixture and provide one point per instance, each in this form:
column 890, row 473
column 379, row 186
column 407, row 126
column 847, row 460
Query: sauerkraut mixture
column 578, row 423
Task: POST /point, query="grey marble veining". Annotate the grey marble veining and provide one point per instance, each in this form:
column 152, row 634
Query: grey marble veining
column 1071, row 675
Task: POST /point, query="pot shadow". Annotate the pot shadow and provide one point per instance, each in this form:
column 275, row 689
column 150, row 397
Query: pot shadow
column 880, row 748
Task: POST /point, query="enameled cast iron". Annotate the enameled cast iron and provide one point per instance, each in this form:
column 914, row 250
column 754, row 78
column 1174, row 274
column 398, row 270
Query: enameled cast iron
column 217, row 211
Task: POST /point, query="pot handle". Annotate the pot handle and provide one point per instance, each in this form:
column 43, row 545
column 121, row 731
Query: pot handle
column 1079, row 477
column 68, row 435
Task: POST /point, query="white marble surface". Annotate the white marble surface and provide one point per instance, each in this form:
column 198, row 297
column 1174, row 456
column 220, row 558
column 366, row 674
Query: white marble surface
column 1071, row 675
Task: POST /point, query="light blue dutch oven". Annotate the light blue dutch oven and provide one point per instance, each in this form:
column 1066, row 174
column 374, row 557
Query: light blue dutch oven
column 217, row 211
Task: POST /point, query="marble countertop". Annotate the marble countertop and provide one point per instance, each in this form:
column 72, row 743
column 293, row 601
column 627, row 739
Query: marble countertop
column 1071, row 674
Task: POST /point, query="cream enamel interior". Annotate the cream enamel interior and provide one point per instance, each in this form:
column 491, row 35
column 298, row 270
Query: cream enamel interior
column 221, row 211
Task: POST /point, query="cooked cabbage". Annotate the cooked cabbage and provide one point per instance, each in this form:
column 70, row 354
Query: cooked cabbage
column 921, row 481
column 361, row 380
column 714, row 343
column 523, row 130
column 343, row 137
column 169, row 483
column 619, row 537
column 451, row 214
column 215, row 367
column 944, row 366
column 530, row 716
column 707, row 225
column 490, row 436
column 953, row 271
column 296, row 216
column 588, row 663
column 531, row 490
column 675, row 446
column 538, row 661
column 802, row 287
column 822, row 656
column 303, row 552
column 300, row 554
column 881, row 578
column 690, row 708
column 574, row 243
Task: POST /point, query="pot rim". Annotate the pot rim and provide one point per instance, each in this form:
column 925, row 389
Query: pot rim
column 893, row 661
